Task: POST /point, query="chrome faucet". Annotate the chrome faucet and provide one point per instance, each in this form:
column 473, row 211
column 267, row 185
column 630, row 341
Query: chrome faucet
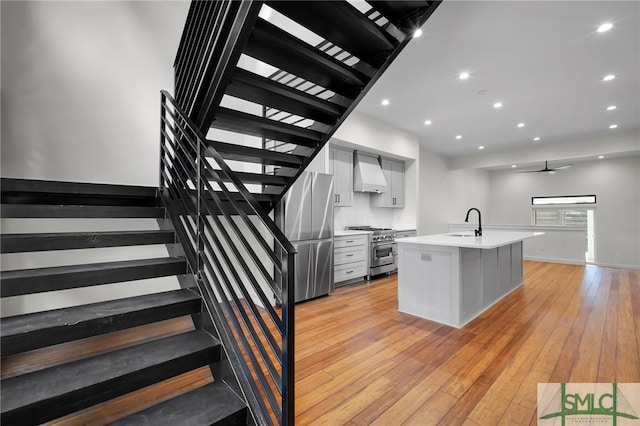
column 478, row 231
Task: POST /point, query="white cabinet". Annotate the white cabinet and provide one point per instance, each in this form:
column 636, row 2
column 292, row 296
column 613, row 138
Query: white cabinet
column 341, row 167
column 406, row 233
column 393, row 171
column 453, row 285
column 350, row 254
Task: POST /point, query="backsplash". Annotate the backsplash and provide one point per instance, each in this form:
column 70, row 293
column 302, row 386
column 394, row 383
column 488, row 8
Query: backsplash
column 361, row 213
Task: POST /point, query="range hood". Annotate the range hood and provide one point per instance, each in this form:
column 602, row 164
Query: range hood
column 367, row 174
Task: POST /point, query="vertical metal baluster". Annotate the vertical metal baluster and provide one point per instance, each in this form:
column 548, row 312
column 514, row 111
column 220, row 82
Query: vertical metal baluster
column 163, row 102
column 200, row 193
column 288, row 340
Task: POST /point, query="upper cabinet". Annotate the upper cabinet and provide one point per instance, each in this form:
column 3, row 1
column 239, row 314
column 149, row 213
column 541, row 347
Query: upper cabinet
column 341, row 167
column 393, row 171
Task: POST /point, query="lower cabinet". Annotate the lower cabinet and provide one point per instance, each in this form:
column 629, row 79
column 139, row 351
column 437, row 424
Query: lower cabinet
column 350, row 255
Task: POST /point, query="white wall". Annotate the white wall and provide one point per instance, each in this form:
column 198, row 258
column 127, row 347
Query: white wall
column 616, row 184
column 80, row 87
column 445, row 195
column 80, row 102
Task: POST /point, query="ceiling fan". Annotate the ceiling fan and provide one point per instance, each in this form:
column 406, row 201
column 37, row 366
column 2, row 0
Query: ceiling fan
column 547, row 169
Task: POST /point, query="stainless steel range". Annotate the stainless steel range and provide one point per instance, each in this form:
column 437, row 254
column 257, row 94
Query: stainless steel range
column 383, row 247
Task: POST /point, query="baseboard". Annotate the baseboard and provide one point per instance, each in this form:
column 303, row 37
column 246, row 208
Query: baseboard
column 614, row 265
column 575, row 262
column 554, row 260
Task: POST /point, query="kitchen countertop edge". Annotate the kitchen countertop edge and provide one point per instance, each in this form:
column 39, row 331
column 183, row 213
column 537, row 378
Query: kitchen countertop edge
column 489, row 240
column 346, row 233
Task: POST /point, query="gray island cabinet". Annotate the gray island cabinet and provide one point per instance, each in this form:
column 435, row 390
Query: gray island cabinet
column 453, row 278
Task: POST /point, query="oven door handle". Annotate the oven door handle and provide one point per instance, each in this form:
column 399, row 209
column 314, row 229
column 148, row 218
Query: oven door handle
column 383, row 245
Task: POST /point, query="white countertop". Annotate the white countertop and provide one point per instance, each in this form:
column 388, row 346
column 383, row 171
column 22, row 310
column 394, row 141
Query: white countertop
column 489, row 239
column 347, row 232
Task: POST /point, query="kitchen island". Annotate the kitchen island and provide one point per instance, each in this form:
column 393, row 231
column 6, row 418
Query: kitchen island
column 452, row 278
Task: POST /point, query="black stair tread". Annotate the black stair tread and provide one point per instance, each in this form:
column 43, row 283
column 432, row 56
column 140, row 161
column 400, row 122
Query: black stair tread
column 349, row 29
column 406, row 15
column 29, row 281
column 77, row 188
column 249, row 124
column 255, row 178
column 53, row 392
column 14, row 243
column 276, row 47
column 234, row 195
column 212, row 404
column 255, row 88
column 238, row 196
column 23, row 333
column 235, row 152
column 258, row 178
column 78, row 211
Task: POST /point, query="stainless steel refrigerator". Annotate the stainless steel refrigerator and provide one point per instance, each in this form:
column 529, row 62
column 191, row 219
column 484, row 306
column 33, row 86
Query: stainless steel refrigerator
column 305, row 215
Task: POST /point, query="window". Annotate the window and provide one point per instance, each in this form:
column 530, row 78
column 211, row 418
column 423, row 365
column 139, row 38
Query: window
column 571, row 210
column 560, row 217
column 570, row 199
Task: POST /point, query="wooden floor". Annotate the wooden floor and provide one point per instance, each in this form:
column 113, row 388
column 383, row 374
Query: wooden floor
column 361, row 362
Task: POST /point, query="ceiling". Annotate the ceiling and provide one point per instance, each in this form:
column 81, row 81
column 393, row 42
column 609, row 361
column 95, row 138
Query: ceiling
column 543, row 60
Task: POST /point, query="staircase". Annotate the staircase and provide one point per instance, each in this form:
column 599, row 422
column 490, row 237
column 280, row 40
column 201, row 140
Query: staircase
column 70, row 365
column 260, row 89
column 278, row 96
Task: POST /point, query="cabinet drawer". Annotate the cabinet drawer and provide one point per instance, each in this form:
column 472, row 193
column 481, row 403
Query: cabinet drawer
column 349, row 255
column 349, row 271
column 350, row 241
column 406, row 234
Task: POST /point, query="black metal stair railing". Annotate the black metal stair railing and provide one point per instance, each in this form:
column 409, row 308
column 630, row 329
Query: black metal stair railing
column 241, row 260
column 211, row 43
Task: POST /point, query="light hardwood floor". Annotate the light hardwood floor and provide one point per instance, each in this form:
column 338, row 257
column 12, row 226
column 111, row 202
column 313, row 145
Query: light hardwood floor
column 361, row 362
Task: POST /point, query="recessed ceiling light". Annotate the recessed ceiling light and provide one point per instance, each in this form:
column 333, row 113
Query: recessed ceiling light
column 608, row 77
column 427, row 123
column 613, row 126
column 459, row 137
column 497, row 105
column 536, row 139
column 513, row 166
column 605, row 27
column 417, row 33
column 481, row 147
column 600, row 157
column 463, row 75
column 384, row 102
column 520, row 124
column 611, row 107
